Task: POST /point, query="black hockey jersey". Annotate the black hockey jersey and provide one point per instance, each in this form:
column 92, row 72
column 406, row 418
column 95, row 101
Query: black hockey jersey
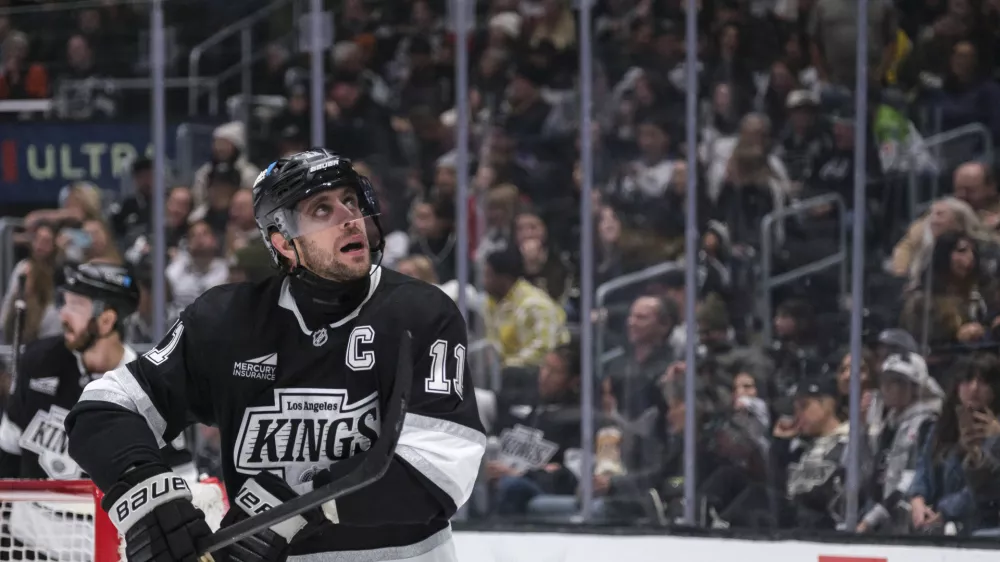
column 292, row 401
column 33, row 442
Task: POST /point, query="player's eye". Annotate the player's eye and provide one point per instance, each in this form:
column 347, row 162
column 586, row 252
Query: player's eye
column 351, row 201
column 322, row 211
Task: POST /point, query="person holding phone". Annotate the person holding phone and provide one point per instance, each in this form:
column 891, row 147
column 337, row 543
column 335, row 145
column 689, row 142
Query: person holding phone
column 955, row 476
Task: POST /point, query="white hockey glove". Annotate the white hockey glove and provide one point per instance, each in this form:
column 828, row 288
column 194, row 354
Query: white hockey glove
column 151, row 506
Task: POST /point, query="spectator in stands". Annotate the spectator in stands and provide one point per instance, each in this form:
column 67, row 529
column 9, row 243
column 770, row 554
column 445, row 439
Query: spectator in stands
column 976, row 184
column 422, row 268
column 78, row 201
column 544, row 267
column 966, row 95
column 20, row 78
column 200, row 268
column 179, row 206
column 728, row 63
column 33, row 280
column 833, row 30
column 101, row 246
column 423, row 85
column 139, row 325
column 795, row 351
column 556, row 416
column 751, row 182
column 780, row 85
column 608, row 254
column 223, row 184
column 356, row 125
column 276, row 73
column 130, row 218
column 957, row 286
column 251, row 263
column 501, row 207
column 943, row 489
column 229, row 147
column 522, row 322
column 348, row 57
column 949, row 214
column 433, row 236
column 83, row 92
column 913, row 404
column 816, row 463
column 872, row 407
column 242, row 226
column 803, row 139
column 636, row 371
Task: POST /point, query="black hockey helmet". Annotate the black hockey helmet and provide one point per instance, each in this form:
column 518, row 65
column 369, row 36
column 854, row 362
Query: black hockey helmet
column 108, row 286
column 286, row 182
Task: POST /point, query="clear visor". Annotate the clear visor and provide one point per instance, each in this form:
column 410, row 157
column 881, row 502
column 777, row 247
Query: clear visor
column 324, row 210
column 72, row 303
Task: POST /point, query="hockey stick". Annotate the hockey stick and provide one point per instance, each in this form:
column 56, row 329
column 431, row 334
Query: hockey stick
column 372, row 466
column 20, row 309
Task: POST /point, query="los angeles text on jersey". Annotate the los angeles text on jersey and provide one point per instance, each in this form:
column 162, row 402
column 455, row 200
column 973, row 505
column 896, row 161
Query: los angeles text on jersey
column 304, row 431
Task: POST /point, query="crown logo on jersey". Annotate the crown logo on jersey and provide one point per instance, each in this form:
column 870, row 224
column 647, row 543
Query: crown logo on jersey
column 319, row 337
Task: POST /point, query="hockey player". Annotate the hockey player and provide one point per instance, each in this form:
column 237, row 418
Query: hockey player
column 52, row 374
column 295, row 371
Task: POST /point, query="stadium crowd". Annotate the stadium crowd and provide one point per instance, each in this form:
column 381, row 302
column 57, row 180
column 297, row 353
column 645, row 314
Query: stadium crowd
column 775, row 173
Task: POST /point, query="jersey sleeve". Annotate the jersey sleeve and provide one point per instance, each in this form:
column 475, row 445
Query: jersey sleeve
column 442, row 441
column 144, row 405
column 15, row 418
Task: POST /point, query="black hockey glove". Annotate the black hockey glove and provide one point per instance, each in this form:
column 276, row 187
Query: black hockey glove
column 151, row 506
column 260, row 493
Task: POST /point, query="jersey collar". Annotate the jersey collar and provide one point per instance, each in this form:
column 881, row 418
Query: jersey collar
column 128, row 356
column 287, row 301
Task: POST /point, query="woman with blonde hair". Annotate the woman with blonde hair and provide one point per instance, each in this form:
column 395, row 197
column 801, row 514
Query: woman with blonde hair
column 912, row 254
column 78, row 202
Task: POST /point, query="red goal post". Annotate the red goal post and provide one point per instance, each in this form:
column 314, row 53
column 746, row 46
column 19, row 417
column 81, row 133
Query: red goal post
column 63, row 519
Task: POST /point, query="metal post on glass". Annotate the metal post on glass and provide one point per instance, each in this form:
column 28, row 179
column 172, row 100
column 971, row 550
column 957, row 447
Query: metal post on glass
column 461, row 19
column 856, row 435
column 691, row 239
column 157, row 59
column 586, row 260
column 320, row 33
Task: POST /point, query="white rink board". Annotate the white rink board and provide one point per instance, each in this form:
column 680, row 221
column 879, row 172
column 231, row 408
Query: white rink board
column 546, row 547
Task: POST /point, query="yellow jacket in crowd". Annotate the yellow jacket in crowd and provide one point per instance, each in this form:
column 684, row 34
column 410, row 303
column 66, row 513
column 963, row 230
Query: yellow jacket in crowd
column 525, row 325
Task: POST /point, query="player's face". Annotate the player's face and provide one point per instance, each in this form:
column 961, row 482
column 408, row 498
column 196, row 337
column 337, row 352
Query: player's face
column 76, row 313
column 334, row 243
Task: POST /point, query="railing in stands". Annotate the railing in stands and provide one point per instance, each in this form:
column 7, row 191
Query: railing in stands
column 242, row 27
column 935, row 144
column 769, row 282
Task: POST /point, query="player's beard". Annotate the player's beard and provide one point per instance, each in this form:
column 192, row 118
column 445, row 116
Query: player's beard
column 324, row 260
column 80, row 341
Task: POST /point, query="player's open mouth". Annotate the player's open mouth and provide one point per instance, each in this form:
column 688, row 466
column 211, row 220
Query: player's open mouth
column 352, row 247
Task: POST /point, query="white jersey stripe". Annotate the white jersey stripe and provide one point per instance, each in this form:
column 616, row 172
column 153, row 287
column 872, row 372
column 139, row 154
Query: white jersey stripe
column 120, row 387
column 446, row 453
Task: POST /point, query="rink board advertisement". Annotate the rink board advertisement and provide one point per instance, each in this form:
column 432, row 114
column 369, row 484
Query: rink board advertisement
column 551, row 547
column 38, row 159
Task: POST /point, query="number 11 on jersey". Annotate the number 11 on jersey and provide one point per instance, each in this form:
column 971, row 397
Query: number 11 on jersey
column 437, row 382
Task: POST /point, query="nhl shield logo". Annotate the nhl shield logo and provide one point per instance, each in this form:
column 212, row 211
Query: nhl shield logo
column 319, row 337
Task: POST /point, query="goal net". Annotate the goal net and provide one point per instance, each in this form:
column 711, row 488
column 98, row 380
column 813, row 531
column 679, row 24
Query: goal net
column 62, row 520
